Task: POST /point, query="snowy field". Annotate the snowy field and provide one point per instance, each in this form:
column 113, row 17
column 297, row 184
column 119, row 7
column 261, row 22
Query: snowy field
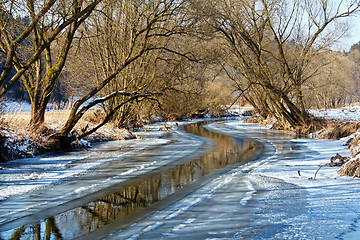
column 342, row 114
column 11, row 107
column 345, row 114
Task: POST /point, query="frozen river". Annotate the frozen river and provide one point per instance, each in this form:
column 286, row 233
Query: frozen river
column 219, row 180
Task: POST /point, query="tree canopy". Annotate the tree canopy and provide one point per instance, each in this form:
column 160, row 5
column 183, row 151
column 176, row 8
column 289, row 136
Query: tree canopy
column 173, row 58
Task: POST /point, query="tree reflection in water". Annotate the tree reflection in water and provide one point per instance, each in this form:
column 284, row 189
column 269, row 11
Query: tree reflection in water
column 142, row 194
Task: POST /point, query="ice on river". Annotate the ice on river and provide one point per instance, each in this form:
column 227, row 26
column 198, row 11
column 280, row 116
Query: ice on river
column 29, row 186
column 266, row 198
column 23, row 175
column 262, row 199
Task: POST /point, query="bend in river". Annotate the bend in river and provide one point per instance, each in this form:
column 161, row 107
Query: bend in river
column 121, row 204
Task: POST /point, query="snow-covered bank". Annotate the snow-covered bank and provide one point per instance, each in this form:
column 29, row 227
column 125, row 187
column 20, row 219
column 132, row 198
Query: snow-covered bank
column 344, row 114
column 28, row 174
column 347, row 123
column 331, row 124
column 266, row 198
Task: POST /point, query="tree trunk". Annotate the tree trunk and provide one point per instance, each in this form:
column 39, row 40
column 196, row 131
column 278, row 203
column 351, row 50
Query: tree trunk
column 37, row 117
column 300, row 99
column 298, row 117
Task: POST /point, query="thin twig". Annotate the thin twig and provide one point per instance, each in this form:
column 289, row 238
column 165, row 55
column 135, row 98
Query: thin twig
column 319, row 169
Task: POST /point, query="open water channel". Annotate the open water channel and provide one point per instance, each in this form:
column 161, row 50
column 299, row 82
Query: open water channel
column 47, row 215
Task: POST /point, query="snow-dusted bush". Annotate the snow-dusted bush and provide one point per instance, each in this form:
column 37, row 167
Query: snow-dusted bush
column 15, row 145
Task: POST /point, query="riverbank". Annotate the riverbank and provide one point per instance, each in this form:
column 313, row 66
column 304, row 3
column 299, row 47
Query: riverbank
column 338, row 124
column 17, row 142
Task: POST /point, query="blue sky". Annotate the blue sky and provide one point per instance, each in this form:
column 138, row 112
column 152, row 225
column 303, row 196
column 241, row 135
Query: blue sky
column 354, row 33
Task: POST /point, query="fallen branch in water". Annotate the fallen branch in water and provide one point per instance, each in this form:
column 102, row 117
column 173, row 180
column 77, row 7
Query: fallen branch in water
column 335, row 161
column 327, row 164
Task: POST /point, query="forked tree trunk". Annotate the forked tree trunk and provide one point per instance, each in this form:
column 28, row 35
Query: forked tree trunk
column 295, row 116
column 37, row 117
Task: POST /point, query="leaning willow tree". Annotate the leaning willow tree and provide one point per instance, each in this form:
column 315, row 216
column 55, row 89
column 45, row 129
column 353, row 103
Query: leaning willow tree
column 270, row 46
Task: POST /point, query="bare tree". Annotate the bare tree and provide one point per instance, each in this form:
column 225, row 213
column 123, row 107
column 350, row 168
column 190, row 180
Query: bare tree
column 36, row 63
column 13, row 39
column 146, row 24
column 270, row 45
column 194, row 87
column 333, row 86
column 109, row 40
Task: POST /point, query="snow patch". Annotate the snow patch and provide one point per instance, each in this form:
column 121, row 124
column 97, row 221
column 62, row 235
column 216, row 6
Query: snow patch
column 81, row 144
column 11, row 106
column 82, row 189
column 345, row 114
column 249, row 194
column 152, row 227
column 138, row 168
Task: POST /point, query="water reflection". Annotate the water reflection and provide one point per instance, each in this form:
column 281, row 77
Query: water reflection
column 125, row 201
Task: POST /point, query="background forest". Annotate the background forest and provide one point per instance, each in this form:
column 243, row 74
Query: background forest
column 126, row 61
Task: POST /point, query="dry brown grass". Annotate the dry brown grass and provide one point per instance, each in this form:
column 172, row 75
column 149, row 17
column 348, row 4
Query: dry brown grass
column 330, row 129
column 354, row 146
column 14, row 131
column 19, row 121
column 337, row 130
column 351, row 168
column 54, row 120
